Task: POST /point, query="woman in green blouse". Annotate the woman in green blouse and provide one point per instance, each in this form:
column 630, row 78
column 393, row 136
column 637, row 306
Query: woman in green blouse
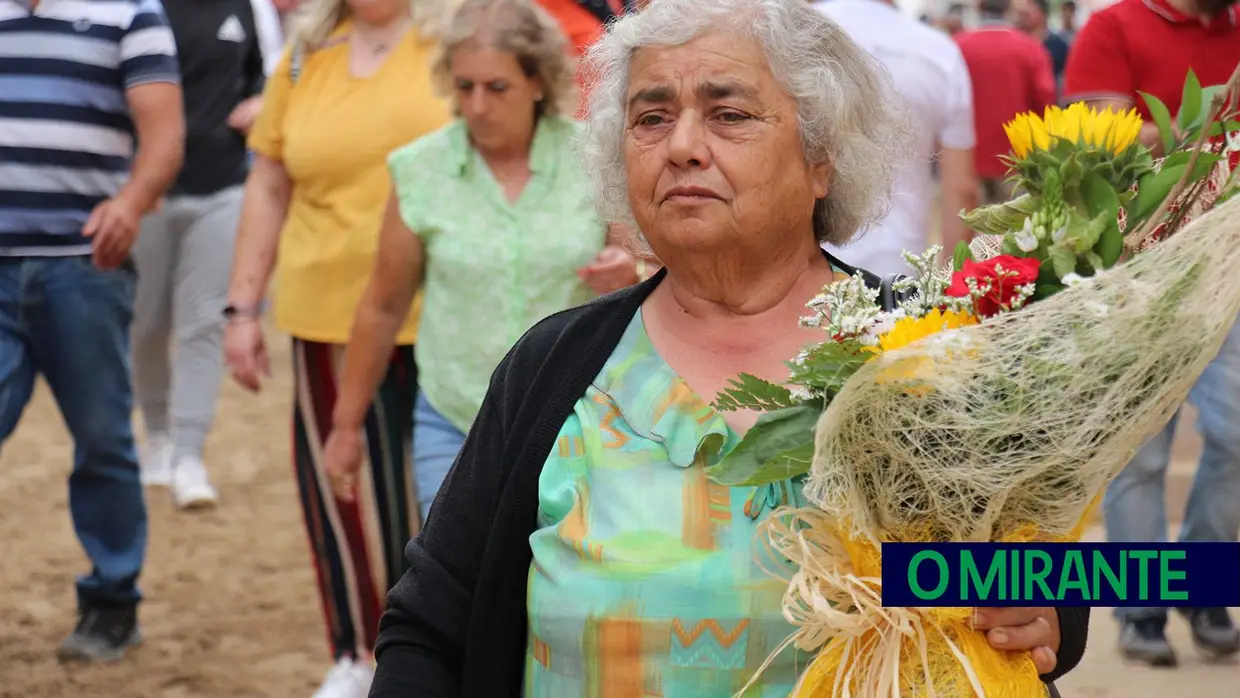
column 497, row 219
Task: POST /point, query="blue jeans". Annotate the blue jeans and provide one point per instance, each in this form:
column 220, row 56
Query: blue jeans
column 436, row 444
column 69, row 321
column 1135, row 503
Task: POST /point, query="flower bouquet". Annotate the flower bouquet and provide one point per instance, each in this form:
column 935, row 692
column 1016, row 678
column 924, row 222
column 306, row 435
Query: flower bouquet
column 997, row 400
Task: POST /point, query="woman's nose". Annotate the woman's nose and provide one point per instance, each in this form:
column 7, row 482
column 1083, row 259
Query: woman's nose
column 477, row 101
column 687, row 142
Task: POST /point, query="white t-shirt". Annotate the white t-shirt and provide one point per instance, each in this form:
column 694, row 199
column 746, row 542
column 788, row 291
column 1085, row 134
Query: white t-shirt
column 930, row 74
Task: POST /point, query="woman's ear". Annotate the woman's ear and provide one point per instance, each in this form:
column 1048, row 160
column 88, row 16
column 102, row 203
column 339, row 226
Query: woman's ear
column 821, row 174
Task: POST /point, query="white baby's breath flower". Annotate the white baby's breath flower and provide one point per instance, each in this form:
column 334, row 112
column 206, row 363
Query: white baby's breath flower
column 800, row 393
column 1072, row 279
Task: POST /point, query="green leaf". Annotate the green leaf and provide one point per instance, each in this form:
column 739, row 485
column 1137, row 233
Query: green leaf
column 1048, row 283
column 962, row 254
column 1154, row 187
column 1001, row 218
column 827, row 366
column 1100, row 197
column 748, row 392
column 1190, row 103
column 1110, row 245
column 1207, row 104
column 780, row 446
column 1010, row 246
column 1162, row 117
column 1071, row 171
column 1218, row 128
column 1089, row 232
column 1151, row 190
column 1205, row 161
column 1063, row 260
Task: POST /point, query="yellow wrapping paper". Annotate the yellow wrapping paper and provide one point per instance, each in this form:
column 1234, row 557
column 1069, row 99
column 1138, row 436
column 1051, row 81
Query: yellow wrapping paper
column 876, row 652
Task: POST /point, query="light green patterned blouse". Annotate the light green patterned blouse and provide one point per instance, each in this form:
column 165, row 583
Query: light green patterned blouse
column 644, row 579
column 493, row 268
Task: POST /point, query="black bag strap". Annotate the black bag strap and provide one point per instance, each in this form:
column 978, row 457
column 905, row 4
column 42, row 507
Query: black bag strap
column 888, row 296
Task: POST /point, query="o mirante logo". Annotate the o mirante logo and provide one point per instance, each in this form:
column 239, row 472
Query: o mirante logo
column 1061, row 574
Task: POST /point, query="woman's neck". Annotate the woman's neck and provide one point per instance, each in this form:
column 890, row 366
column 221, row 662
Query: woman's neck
column 509, row 157
column 381, row 29
column 740, row 283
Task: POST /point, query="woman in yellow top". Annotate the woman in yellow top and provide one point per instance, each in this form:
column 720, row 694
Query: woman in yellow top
column 355, row 85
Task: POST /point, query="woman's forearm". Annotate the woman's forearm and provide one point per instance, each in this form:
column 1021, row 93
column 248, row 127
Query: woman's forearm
column 263, row 211
column 380, row 315
column 366, row 359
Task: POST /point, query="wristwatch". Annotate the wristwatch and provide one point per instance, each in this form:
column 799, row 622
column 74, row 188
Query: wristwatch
column 234, row 311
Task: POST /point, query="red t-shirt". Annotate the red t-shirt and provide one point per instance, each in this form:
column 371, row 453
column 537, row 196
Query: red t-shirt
column 581, row 28
column 1148, row 46
column 1011, row 74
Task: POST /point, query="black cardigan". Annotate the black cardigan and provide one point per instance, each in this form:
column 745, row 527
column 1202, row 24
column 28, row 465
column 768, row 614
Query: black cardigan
column 456, row 622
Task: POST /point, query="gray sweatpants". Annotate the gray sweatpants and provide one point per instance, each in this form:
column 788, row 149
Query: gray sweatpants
column 184, row 256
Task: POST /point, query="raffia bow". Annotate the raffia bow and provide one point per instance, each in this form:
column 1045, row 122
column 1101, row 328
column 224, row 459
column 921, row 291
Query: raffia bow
column 838, row 611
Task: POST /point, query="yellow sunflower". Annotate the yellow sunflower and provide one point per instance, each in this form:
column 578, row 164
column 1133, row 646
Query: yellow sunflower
column 910, row 370
column 1106, row 130
column 907, row 330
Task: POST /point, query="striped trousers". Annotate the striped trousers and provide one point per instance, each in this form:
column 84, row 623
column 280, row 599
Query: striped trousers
column 357, row 547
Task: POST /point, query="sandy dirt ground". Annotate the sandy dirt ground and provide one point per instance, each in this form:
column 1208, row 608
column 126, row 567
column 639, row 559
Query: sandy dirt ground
column 231, row 608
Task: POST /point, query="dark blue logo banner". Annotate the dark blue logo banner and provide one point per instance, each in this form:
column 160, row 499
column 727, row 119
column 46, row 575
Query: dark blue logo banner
column 1061, row 574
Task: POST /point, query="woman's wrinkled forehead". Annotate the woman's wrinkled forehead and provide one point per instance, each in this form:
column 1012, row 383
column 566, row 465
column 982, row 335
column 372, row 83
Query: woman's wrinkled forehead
column 710, row 68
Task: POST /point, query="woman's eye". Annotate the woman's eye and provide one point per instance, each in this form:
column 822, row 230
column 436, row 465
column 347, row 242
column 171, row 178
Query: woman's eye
column 732, row 117
column 497, row 86
column 464, row 86
column 649, row 120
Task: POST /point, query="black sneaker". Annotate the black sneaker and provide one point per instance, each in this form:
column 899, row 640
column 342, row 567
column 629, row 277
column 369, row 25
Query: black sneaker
column 103, row 634
column 1145, row 640
column 1213, row 631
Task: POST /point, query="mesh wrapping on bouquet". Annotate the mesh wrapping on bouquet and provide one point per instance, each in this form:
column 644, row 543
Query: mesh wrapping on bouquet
column 1004, row 431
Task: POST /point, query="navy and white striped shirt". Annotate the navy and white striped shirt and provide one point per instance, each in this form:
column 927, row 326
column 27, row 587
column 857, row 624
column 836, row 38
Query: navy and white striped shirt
column 66, row 137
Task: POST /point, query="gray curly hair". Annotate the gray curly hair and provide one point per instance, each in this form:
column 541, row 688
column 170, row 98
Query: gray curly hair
column 518, row 27
column 848, row 113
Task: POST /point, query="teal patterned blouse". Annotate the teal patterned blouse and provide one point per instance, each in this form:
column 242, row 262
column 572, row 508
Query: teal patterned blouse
column 645, row 580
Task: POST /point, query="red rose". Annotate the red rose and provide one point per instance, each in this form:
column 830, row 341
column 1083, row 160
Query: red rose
column 1000, row 288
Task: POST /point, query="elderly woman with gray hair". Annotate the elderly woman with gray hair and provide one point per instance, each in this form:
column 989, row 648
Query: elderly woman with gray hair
column 577, row 548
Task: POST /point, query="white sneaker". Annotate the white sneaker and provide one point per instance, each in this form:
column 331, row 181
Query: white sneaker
column 155, row 459
column 190, row 487
column 348, row 679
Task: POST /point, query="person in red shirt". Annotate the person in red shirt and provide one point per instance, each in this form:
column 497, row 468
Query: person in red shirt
column 1149, row 46
column 583, row 22
column 1011, row 74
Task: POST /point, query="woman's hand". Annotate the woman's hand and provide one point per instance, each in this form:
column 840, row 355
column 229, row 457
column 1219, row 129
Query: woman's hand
column 244, row 115
column 246, row 353
column 1034, row 630
column 613, row 269
column 342, row 458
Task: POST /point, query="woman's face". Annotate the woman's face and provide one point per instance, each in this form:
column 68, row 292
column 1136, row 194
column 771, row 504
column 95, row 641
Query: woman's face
column 495, row 95
column 713, row 150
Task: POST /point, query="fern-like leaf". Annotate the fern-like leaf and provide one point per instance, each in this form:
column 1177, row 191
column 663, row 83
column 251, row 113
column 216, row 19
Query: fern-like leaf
column 748, row 392
column 826, row 367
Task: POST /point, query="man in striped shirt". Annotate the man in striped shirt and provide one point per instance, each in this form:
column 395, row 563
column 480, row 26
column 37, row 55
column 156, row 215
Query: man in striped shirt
column 82, row 81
